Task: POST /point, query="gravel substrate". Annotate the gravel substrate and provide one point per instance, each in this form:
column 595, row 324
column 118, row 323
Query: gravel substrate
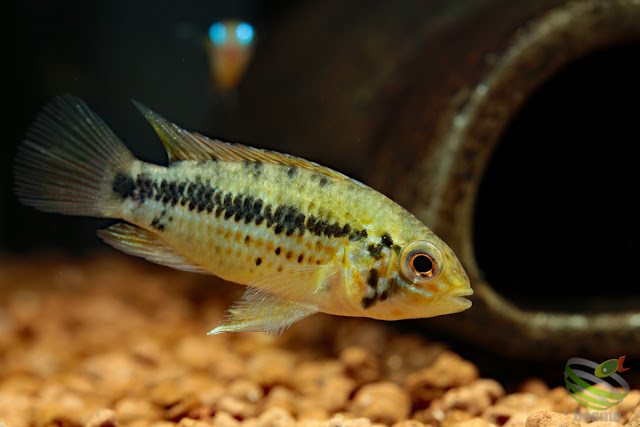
column 115, row 341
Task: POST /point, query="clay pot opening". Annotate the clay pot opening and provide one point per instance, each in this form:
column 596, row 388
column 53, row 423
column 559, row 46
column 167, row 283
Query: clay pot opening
column 553, row 223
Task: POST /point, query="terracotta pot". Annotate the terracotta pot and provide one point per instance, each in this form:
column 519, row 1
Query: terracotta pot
column 413, row 97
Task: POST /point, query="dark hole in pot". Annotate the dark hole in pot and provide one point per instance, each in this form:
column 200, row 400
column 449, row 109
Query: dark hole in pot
column 556, row 222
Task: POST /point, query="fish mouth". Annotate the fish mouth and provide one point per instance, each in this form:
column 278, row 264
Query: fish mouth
column 461, row 292
column 457, row 297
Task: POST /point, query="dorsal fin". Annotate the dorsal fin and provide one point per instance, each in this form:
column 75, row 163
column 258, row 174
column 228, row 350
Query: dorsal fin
column 184, row 145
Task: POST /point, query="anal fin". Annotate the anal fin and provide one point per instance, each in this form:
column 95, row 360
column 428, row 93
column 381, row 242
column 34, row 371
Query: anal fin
column 137, row 241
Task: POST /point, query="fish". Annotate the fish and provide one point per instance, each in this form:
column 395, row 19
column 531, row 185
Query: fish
column 302, row 237
column 229, row 48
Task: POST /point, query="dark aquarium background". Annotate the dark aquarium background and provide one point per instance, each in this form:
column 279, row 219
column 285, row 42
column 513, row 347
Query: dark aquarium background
column 363, row 87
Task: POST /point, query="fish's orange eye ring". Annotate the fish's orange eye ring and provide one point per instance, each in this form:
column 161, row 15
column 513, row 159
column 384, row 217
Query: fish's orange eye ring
column 421, row 261
column 425, row 264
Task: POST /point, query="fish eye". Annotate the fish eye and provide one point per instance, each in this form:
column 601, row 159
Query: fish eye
column 422, row 264
column 421, row 261
column 217, row 33
column 244, row 33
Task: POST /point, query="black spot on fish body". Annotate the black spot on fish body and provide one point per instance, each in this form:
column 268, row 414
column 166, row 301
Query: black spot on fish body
column 238, row 208
column 333, row 230
column 257, row 211
column 372, row 278
column 208, row 199
column 173, row 193
column 258, row 261
column 228, row 206
column 291, row 171
column 368, row 302
column 320, row 227
column 247, row 208
column 278, row 216
column 299, row 223
column 311, row 222
column 268, row 216
column 277, row 251
column 323, row 181
column 257, row 168
column 123, row 185
column 375, row 250
column 300, row 258
column 344, row 231
column 386, row 240
column 396, row 249
column 358, row 235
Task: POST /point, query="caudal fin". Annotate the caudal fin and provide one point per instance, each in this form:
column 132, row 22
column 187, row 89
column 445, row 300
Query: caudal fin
column 69, row 160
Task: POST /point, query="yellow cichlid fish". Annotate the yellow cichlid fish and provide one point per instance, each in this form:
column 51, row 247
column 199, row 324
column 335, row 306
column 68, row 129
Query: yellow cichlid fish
column 304, row 238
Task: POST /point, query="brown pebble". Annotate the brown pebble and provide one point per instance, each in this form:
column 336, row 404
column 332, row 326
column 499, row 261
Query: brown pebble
column 132, row 409
column 190, row 422
column 181, row 408
column 237, row 407
column 271, row 367
column 224, row 419
column 517, row 419
column 360, row 364
column 281, row 397
column 275, row 417
column 448, row 370
column 383, row 402
column 535, row 386
column 307, row 408
column 245, row 390
column 475, row 422
column 15, row 408
column 475, row 398
column 562, row 401
column 550, row 419
column 195, row 352
column 634, row 421
column 408, row 423
column 163, row 423
column 340, row 421
column 628, row 404
column 605, row 424
column 102, row 418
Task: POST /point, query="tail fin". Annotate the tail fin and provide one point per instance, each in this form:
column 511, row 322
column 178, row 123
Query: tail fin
column 69, row 160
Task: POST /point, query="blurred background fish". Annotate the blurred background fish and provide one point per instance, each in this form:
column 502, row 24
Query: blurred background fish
column 229, row 46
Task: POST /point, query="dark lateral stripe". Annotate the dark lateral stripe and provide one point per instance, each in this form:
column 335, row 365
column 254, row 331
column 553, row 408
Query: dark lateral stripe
column 201, row 197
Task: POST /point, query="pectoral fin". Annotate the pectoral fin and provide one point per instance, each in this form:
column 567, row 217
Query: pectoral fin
column 261, row 311
column 276, row 301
